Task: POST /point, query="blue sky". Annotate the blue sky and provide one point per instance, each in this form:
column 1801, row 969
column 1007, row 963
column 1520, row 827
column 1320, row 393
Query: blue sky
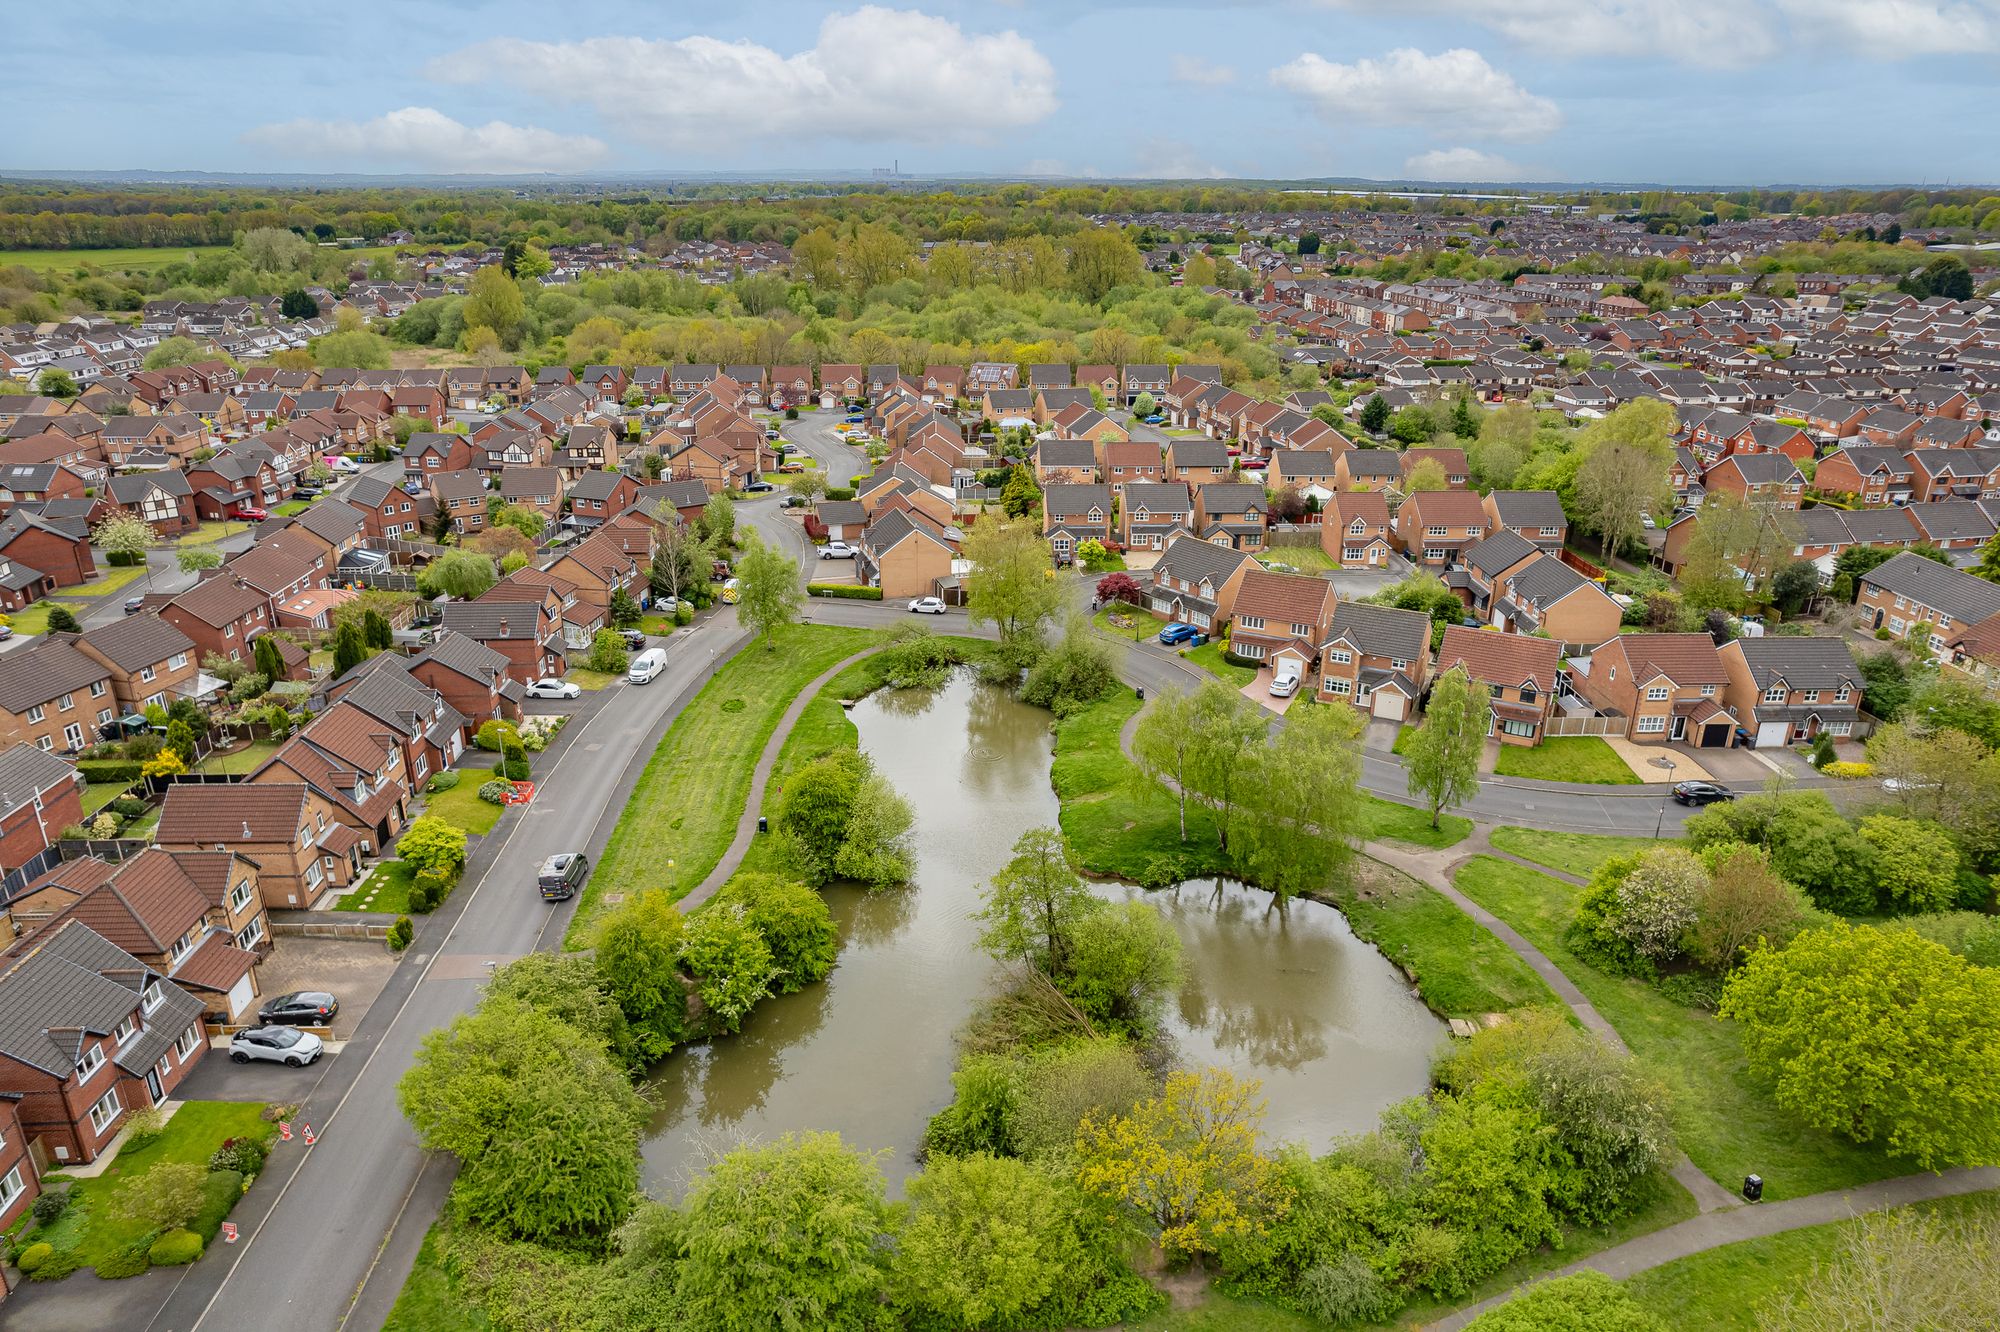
column 1677, row 91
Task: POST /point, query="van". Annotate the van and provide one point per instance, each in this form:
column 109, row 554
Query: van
column 561, row 875
column 731, row 590
column 1285, row 682
column 645, row 666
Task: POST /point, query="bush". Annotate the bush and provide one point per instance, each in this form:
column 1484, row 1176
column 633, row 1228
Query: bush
column 400, row 934
column 34, row 1255
column 442, row 781
column 50, row 1206
column 514, row 767
column 1883, row 634
column 1585, row 1302
column 221, row 1191
column 128, row 1261
column 176, row 1248
column 495, row 792
column 243, row 1155
column 430, row 843
column 144, row 1129
column 492, row 735
column 796, row 925
column 844, row 591
column 1822, row 750
column 58, row 1265
column 840, row 492
column 122, row 771
column 1847, row 769
column 684, row 614
column 128, row 807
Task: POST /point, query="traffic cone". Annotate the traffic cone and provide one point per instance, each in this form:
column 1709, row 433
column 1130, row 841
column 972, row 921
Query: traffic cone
column 310, row 1139
column 285, row 1129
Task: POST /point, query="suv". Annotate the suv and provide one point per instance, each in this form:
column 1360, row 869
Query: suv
column 561, row 875
column 281, row 1045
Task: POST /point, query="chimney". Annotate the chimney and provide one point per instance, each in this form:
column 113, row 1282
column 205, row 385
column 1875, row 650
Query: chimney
column 503, row 626
column 246, row 831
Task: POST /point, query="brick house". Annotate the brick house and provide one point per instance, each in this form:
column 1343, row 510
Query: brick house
column 616, row 556
column 1231, row 514
column 221, row 615
column 53, row 695
column 1354, row 529
column 1433, row 527
column 1536, row 514
column 598, row 497
column 1667, row 687
column 40, row 795
column 1280, row 617
column 58, row 549
column 1073, row 514
column 1871, row 473
column 1761, row 478
column 461, row 498
column 388, row 510
column 149, row 659
column 1195, row 582
column 1151, row 514
column 1377, row 658
column 904, row 554
column 163, row 499
column 1369, row 469
column 430, row 453
column 527, row 633
column 20, row 1182
column 1129, row 463
column 1065, row 462
column 1789, row 689
column 1518, row 671
column 471, row 677
column 1543, row 595
column 294, row 834
column 1197, row 461
column 1908, row 590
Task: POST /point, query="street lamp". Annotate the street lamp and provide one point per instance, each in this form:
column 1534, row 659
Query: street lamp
column 1661, row 822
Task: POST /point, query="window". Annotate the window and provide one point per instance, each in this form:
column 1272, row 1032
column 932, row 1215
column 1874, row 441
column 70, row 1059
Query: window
column 1810, row 696
column 313, row 875
column 10, row 1188
column 1340, row 655
column 178, row 660
column 1353, row 553
column 1336, row 686
column 1250, row 621
column 73, row 736
column 66, row 702
column 250, row 935
column 1775, row 694
column 97, row 688
column 1520, row 728
column 126, row 1030
column 1840, row 695
column 1840, row 728
column 146, row 674
column 1433, row 552
column 155, row 992
column 1249, row 649
column 1528, row 693
column 181, row 947
column 104, row 716
column 93, row 1059
column 105, row 1110
column 1653, row 724
column 36, row 713
column 1657, row 693
column 1435, row 530
column 1708, row 691
column 1301, row 629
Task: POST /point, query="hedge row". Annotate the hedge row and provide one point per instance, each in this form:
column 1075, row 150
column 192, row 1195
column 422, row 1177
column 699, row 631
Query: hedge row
column 847, row 591
column 109, row 770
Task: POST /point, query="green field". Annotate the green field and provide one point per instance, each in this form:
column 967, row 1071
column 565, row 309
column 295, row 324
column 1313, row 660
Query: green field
column 139, row 260
column 1571, row 853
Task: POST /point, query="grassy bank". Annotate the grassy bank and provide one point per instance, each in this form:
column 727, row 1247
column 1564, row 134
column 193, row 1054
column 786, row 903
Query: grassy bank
column 430, row 1301
column 1386, row 820
column 1571, row 853
column 1117, row 823
column 1725, row 1117
column 684, row 810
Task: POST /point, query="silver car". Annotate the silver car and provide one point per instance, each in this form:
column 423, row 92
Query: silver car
column 282, row 1045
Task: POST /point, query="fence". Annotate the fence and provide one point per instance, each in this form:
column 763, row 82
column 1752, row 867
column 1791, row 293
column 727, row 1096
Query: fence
column 383, row 580
column 113, row 849
column 332, row 929
column 1585, row 726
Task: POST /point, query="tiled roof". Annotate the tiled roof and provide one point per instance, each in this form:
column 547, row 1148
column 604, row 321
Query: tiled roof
column 489, row 620
column 1503, row 550
column 137, row 640
column 1686, row 659
column 1529, row 508
column 46, row 670
column 1802, row 663
column 1504, row 659
column 1191, row 561
column 1959, row 595
column 1381, row 631
column 467, row 656
column 214, row 817
column 26, row 772
column 1283, row 599
column 1229, row 497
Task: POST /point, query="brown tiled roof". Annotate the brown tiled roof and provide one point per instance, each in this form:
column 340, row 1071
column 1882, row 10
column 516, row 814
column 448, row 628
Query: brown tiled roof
column 144, row 907
column 1503, row 659
column 1686, row 659
column 211, row 871
column 216, row 965
column 220, row 601
column 1367, row 505
column 1284, row 599
column 1449, row 508
column 351, row 735
column 218, row 816
column 266, row 567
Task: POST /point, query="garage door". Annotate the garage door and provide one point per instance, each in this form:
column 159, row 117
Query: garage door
column 1715, row 735
column 1390, row 704
column 240, row 997
column 1772, row 734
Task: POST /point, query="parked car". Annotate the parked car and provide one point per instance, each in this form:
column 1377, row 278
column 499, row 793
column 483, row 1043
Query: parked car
column 562, row 874
column 6, row 632
column 340, row 462
column 770, row 432
column 928, row 606
column 553, row 688
column 1155, row 419
column 1285, row 681
column 758, row 488
column 836, row 550
column 133, row 605
column 1701, row 793
column 1175, row 634
column 251, row 513
column 413, row 487
column 634, row 639
column 795, row 501
column 305, row 1008
column 281, row 1045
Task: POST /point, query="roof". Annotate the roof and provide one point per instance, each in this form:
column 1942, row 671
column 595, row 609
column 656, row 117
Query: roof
column 1230, row 497
column 1190, row 561
column 1503, row 659
column 1279, row 598
column 1501, row 551
column 147, row 905
column 1959, row 595
column 1066, row 453
column 1156, row 497
column 44, row 670
column 1545, row 580
column 1801, row 662
column 26, row 772
column 1529, row 508
column 1077, row 500
column 219, row 817
column 840, row 513
column 486, row 620
column 1449, row 508
column 1686, row 659
column 67, row 982
column 1380, row 631
column 137, row 640
column 220, row 601
column 467, row 656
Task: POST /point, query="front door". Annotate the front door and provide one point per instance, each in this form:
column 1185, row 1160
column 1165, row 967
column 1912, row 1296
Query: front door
column 153, row 1086
column 1680, row 728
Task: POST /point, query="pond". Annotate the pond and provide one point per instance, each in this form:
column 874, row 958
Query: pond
column 1291, row 996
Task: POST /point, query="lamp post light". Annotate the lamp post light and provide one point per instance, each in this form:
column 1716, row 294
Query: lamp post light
column 1661, row 822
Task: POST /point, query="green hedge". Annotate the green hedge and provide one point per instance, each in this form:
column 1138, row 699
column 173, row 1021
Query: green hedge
column 124, row 771
column 1252, row 662
column 844, row 591
column 840, row 492
column 220, row 1192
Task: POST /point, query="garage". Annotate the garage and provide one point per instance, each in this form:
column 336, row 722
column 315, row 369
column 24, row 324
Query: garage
column 1391, row 705
column 1773, row 734
column 241, row 996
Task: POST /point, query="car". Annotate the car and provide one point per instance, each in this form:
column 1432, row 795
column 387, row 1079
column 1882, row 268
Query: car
column 666, row 605
column 340, row 462
column 758, row 487
column 305, row 1008
column 855, row 419
column 770, row 432
column 1175, row 634
column 6, row 632
column 562, row 874
column 1155, row 419
column 1254, row 464
column 1279, row 566
column 133, row 605
column 1701, row 793
column 928, row 606
column 795, row 501
column 1898, row 785
column 281, row 1045
column 251, row 513
column 634, row 638
column 413, row 487
column 553, row 688
column 1285, row 682
column 836, row 550
column 306, row 493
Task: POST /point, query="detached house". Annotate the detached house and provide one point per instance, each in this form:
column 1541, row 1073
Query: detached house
column 1535, row 514
column 1666, row 687
column 1908, row 590
column 1153, row 513
column 53, row 695
column 292, row 833
column 1073, row 514
column 1231, row 514
column 1434, row 526
column 1519, row 672
column 905, row 554
column 1787, row 689
column 220, row 615
column 1354, row 529
column 151, row 662
column 40, row 795
column 163, row 499
column 1280, row 617
column 1195, row 582
column 1376, row 658
column 1197, row 461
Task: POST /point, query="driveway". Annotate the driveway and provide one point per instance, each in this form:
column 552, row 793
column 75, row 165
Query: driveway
column 354, row 971
column 813, row 433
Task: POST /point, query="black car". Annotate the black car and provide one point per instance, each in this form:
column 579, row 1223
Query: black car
column 1701, row 793
column 303, row 1008
column 634, row 639
column 758, row 488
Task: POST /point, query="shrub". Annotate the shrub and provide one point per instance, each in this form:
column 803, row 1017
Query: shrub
column 495, row 792
column 1585, row 1302
column 144, row 1129
column 430, row 843
column 492, row 735
column 109, row 770
column 429, row 888
column 243, row 1155
column 514, row 767
column 684, row 614
column 1846, row 768
column 442, row 781
column 1822, row 750
column 400, row 934
column 128, row 807
column 128, row 1261
column 176, row 1248
column 50, row 1206
column 795, row 923
column 58, row 1265
column 34, row 1255
column 221, row 1191
column 847, row 591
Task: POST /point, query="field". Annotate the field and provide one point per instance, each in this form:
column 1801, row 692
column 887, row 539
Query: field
column 140, row 260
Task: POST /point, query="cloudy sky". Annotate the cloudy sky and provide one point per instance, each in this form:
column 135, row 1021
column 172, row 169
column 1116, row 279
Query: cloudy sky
column 1677, row 91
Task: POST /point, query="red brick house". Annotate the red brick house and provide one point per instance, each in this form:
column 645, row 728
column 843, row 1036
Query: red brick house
column 59, row 549
column 1354, row 529
column 1281, row 617
column 40, row 795
column 1519, row 673
column 221, row 615
column 472, row 677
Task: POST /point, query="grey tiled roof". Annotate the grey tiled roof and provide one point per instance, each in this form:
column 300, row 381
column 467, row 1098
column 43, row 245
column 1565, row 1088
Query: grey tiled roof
column 1191, row 561
column 1381, row 631
column 46, row 670
column 138, row 640
column 1802, row 663
column 1958, row 595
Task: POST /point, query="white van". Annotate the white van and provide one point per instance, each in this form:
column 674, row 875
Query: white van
column 646, row 665
column 1285, row 680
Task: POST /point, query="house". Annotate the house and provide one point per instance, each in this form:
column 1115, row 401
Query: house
column 1666, row 688
column 1375, row 657
column 1369, row 469
column 1518, row 671
column 1783, row 689
column 1870, row 473
column 844, row 520
column 1309, row 471
column 1131, row 463
column 356, row 763
column 1195, row 582
column 1197, row 461
column 460, row 497
column 53, row 695
column 538, row 488
column 1073, row 514
column 163, row 499
column 57, row 549
column 471, row 677
column 221, row 615
column 20, row 1182
column 1543, row 595
column 1231, row 514
column 429, row 730
column 526, row 631
column 1449, row 461
column 617, row 557
column 149, row 659
column 1434, row 526
column 88, row 1035
column 1354, row 529
column 293, row 833
column 1908, row 590
column 40, row 795
column 1536, row 514
column 1065, row 462
column 1280, row 617
column 905, row 554
column 596, row 497
column 1762, row 478
column 430, row 453
column 1152, row 513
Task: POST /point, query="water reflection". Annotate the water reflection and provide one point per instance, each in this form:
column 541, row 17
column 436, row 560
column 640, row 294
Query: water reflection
column 1287, row 995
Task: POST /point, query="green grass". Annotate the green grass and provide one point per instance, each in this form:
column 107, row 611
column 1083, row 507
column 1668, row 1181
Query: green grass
column 1567, row 758
column 1305, row 559
column 659, row 626
column 291, row 508
column 191, row 1136
column 1404, row 734
column 684, row 811
column 1117, row 823
column 99, row 794
column 1223, row 1313
column 208, row 533
column 461, row 805
column 1721, row 1289
column 137, row 259
column 1403, row 823
column 1463, row 970
column 1209, row 657
column 1143, row 626
column 1726, row 1118
column 34, row 619
column 387, row 889
column 240, row 761
column 110, row 578
column 430, row 1300
column 1572, row 853
column 592, row 681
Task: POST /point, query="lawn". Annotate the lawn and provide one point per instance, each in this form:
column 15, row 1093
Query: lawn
column 1726, row 1118
column 1116, row 822
column 99, row 794
column 192, row 1135
column 1142, row 626
column 1721, row 1289
column 684, row 811
column 34, row 619
column 1404, row 823
column 1304, row 559
column 1209, row 657
column 1404, row 734
column 140, row 259
column 387, row 889
column 659, row 626
column 110, row 578
column 291, row 508
column 1463, row 970
column 1572, row 853
column 208, row 533
column 242, row 761
column 1567, row 758
column 592, row 681
column 461, row 806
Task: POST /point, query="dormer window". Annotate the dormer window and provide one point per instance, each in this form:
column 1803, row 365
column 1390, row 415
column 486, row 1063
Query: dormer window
column 92, row 1060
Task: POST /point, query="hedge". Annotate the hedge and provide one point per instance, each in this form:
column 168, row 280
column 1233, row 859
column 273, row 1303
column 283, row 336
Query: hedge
column 1254, row 663
column 844, row 591
column 175, row 1248
column 839, row 492
column 125, row 771
column 221, row 1190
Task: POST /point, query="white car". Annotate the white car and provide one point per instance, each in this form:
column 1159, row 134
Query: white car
column 280, row 1045
column 836, row 550
column 553, row 688
column 1285, row 683
column 927, row 606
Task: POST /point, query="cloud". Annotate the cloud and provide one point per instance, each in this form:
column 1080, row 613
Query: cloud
column 1454, row 92
column 1201, row 73
column 426, row 138
column 1171, row 159
column 1466, row 164
column 872, row 75
column 1897, row 29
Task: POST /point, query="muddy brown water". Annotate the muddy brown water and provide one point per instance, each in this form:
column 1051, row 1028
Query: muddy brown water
column 1288, row 996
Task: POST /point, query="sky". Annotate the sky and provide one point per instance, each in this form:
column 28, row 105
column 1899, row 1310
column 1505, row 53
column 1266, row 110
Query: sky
column 1686, row 92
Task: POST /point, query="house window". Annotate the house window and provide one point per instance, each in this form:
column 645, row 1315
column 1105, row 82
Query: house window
column 1249, row 649
column 1652, row 724
column 313, row 874
column 66, row 702
column 1708, row 691
column 1840, row 695
column 239, row 896
column 181, row 947
column 36, row 713
column 1433, row 552
column 251, row 934
column 73, row 736
column 146, row 674
column 1657, row 693
column 1353, row 553
column 1775, row 694
column 97, row 688
column 1527, row 693
column 1810, row 696
column 10, row 1188
column 126, row 1030
column 1337, row 686
column 1840, row 728
column 105, row 1110
column 93, row 1059
column 1250, row 621
column 1435, row 531
column 1520, row 728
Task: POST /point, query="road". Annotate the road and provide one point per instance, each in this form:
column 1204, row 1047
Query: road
column 813, row 432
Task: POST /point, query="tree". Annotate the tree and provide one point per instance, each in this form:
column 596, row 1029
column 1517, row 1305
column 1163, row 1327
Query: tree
column 432, row 843
column 1309, row 243
column 566, row 987
column 1033, row 905
column 1794, row 586
column 56, row 383
column 815, row 809
column 375, row 629
column 544, row 1125
column 1187, row 1160
column 1305, row 795
column 357, row 348
column 1092, row 555
column 1076, row 672
column 349, row 648
column 768, row 593
column 1230, row 732
column 1623, row 476
column 125, row 536
column 1877, row 1033
column 1120, row 586
column 166, row 1196
column 785, row 1237
column 176, row 351
column 1898, row 1271
column 1744, row 906
column 625, row 608
column 718, row 520
column 1428, row 474
column 794, row 923
column 731, row 964
column 1145, row 405
column 1441, row 758
column 985, row 1240
column 298, row 304
column 62, row 620
column 275, row 249
column 463, row 574
column 194, row 559
column 1166, row 743
column 1009, row 584
column 607, row 652
column 1101, row 259
column 1412, row 425
column 1584, row 1302
column 875, row 845
column 1125, row 959
column 808, row 485
column 492, row 300
column 1915, row 862
column 530, row 523
column 1375, row 414
column 180, row 739
column 1945, row 276
column 638, row 950
column 1656, row 903
column 269, row 660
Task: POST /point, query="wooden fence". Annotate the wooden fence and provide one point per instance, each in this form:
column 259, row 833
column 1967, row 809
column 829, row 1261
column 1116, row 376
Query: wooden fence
column 1585, row 725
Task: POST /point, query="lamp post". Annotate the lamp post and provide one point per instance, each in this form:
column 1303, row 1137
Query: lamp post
column 1661, row 822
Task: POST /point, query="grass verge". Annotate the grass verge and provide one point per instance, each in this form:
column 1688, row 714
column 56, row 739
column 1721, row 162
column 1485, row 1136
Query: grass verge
column 430, row 1300
column 1386, row 819
column 1303, row 559
column 461, row 806
column 1572, row 853
column 1566, row 758
column 1140, row 626
column 1726, row 1119
column 110, row 578
column 242, row 761
column 684, row 810
column 34, row 619
column 591, row 681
